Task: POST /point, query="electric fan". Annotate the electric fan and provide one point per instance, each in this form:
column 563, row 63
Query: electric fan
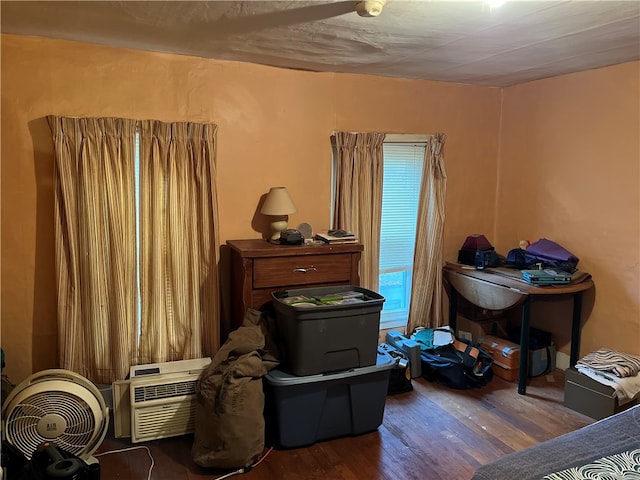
column 56, row 406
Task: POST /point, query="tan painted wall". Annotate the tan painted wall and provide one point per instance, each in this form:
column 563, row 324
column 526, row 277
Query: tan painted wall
column 564, row 164
column 274, row 129
column 569, row 170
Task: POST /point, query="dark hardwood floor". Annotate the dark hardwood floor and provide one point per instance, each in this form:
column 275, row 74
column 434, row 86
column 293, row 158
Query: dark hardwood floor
column 430, row 433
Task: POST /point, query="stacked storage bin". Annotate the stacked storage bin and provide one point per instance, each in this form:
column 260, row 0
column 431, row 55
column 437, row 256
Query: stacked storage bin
column 332, row 380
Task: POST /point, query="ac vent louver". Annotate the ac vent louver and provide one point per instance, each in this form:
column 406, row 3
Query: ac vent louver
column 168, row 390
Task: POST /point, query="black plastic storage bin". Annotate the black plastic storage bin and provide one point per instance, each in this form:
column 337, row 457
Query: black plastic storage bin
column 300, row 411
column 327, row 338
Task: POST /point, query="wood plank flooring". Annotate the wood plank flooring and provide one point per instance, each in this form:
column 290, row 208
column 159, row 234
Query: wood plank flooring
column 430, row 433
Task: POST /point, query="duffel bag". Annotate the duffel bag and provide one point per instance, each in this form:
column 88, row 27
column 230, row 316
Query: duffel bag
column 460, row 365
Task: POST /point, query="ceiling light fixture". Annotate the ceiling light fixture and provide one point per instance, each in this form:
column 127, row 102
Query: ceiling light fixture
column 370, row 8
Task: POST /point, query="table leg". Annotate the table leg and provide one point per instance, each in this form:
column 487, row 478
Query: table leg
column 453, row 308
column 575, row 329
column 524, row 348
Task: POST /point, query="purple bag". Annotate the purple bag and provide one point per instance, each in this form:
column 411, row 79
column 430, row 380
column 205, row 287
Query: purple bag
column 546, row 252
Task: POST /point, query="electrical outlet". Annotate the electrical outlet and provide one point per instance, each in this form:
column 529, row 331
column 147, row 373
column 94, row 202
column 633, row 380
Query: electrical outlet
column 465, row 335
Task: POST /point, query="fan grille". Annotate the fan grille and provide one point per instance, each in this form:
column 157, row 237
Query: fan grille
column 24, row 423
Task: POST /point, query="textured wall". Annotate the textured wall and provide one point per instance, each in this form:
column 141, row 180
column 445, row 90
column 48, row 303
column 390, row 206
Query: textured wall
column 562, row 162
column 569, row 170
column 274, row 129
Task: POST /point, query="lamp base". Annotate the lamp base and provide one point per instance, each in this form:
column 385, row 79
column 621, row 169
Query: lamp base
column 277, row 227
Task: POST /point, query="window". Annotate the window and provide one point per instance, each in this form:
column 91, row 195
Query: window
column 403, row 166
column 175, row 231
column 137, row 201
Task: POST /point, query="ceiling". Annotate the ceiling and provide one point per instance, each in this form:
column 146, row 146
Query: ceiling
column 452, row 41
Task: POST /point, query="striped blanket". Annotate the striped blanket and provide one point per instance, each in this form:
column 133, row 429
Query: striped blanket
column 618, row 363
column 621, row 371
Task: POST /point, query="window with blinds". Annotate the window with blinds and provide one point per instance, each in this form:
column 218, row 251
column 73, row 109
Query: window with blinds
column 403, row 165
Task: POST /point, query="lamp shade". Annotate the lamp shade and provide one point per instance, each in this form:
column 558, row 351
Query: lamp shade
column 278, row 202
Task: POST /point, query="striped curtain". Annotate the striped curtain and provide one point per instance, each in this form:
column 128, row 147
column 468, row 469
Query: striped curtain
column 104, row 324
column 179, row 252
column 95, row 245
column 358, row 196
column 426, row 307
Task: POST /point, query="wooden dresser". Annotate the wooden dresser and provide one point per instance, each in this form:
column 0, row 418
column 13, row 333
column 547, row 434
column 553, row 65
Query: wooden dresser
column 259, row 268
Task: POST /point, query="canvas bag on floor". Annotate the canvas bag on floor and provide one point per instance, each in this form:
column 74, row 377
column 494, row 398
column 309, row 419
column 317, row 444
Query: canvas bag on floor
column 229, row 419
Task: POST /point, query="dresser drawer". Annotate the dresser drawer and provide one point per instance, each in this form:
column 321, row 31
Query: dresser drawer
column 301, row 270
column 258, row 268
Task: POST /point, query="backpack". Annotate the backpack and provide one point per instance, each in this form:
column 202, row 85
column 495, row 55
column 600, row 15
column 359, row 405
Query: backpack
column 476, row 250
column 400, row 376
column 545, row 252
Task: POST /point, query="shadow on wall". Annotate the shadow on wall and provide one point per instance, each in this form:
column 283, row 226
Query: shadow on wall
column 224, row 272
column 44, row 348
column 260, row 222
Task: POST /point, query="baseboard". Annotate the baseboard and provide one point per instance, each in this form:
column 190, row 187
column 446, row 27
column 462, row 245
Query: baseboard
column 562, row 361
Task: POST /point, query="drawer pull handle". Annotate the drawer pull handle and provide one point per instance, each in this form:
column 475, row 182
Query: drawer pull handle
column 305, row 270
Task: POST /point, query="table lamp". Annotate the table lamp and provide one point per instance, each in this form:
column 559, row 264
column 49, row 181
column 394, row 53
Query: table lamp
column 278, row 204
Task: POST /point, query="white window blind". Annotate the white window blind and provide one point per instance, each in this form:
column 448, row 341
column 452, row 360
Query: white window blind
column 403, row 165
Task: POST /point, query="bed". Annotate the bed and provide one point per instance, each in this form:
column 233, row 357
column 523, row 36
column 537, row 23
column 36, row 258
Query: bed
column 609, row 448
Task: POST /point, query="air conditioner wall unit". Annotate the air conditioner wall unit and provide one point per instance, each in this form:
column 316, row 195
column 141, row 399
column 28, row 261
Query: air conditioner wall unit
column 177, row 366
column 121, row 409
column 157, row 404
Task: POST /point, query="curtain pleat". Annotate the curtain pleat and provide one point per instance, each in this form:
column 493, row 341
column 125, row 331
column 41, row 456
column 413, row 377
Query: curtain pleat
column 358, row 196
column 426, row 307
column 179, row 285
column 95, row 245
